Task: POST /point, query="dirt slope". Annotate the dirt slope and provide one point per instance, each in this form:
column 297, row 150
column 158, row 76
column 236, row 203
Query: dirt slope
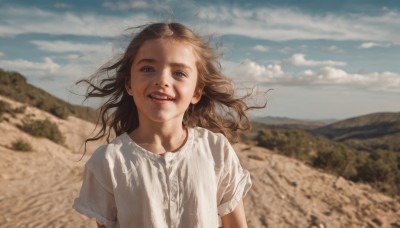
column 37, row 188
column 287, row 193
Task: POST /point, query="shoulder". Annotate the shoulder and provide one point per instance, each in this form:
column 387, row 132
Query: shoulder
column 108, row 153
column 107, row 162
column 216, row 143
column 209, row 136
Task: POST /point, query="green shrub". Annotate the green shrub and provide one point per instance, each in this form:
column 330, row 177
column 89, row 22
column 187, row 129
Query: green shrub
column 374, row 171
column 270, row 140
column 293, row 143
column 43, row 128
column 379, row 168
column 19, row 110
column 339, row 161
column 21, row 145
column 59, row 111
column 4, row 107
column 15, row 86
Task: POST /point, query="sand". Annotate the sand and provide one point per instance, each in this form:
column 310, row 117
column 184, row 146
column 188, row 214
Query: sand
column 37, row 188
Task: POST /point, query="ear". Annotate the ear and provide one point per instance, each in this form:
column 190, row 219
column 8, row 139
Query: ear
column 128, row 87
column 197, row 95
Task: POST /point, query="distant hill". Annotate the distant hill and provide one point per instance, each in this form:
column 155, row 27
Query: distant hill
column 380, row 168
column 290, row 123
column 368, row 132
column 15, row 86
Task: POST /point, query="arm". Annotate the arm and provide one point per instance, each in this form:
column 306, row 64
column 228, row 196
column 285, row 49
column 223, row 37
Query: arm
column 100, row 226
column 235, row 219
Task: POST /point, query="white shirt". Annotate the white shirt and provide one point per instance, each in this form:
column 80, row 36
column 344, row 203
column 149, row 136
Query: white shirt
column 125, row 185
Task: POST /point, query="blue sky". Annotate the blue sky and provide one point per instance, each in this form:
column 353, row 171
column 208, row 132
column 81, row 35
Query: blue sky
column 323, row 59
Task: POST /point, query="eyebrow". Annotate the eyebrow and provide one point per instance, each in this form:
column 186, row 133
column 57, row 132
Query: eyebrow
column 146, row 60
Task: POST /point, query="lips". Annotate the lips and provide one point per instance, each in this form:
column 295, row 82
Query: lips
column 161, row 97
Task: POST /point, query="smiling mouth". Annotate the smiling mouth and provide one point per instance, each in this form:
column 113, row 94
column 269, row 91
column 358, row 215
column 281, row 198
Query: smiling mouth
column 161, row 97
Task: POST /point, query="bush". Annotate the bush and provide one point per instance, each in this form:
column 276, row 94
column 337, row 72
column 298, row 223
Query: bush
column 4, row 107
column 19, row 110
column 374, row 171
column 338, row 160
column 59, row 111
column 43, row 128
column 270, row 140
column 379, row 168
column 15, row 86
column 21, row 145
column 293, row 143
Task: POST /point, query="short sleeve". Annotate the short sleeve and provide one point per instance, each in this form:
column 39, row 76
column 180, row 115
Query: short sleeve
column 234, row 182
column 96, row 200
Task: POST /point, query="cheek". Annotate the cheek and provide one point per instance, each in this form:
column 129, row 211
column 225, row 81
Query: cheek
column 191, row 88
column 137, row 84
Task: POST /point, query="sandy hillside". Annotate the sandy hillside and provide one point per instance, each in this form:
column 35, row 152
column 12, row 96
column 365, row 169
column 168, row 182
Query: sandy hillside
column 37, row 188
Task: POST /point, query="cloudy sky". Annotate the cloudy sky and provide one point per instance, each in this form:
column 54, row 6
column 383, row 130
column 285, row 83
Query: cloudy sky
column 319, row 59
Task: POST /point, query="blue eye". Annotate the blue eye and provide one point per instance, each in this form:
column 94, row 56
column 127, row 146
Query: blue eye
column 147, row 69
column 180, row 74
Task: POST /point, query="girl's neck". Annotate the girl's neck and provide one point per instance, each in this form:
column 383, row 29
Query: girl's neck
column 160, row 140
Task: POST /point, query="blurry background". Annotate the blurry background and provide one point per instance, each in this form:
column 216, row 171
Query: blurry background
column 324, row 59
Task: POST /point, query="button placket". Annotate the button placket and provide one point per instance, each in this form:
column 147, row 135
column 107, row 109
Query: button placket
column 168, row 169
column 163, row 174
column 173, row 190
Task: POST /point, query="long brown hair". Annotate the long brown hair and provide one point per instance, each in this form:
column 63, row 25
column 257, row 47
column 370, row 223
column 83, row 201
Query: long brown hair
column 218, row 110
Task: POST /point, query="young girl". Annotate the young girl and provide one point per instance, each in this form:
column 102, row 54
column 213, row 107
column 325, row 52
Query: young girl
column 173, row 111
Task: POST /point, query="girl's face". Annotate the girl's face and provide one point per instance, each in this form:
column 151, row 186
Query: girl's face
column 163, row 80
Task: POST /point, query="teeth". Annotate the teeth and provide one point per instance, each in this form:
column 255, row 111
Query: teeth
column 160, row 97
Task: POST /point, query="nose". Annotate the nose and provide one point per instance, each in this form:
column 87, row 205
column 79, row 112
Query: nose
column 163, row 78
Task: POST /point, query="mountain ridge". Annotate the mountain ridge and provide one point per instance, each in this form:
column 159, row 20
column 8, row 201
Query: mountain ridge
column 290, row 123
column 368, row 132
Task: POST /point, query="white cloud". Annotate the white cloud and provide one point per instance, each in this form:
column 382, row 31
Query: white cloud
column 308, row 73
column 327, row 76
column 61, row 5
column 285, row 50
column 260, row 23
column 300, row 60
column 84, row 57
column 16, row 21
column 251, row 71
column 268, row 23
column 67, row 46
column 47, row 66
column 333, row 48
column 48, row 69
column 126, row 5
column 84, row 61
column 373, row 44
column 260, row 48
column 2, row 54
column 73, row 57
column 385, row 81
